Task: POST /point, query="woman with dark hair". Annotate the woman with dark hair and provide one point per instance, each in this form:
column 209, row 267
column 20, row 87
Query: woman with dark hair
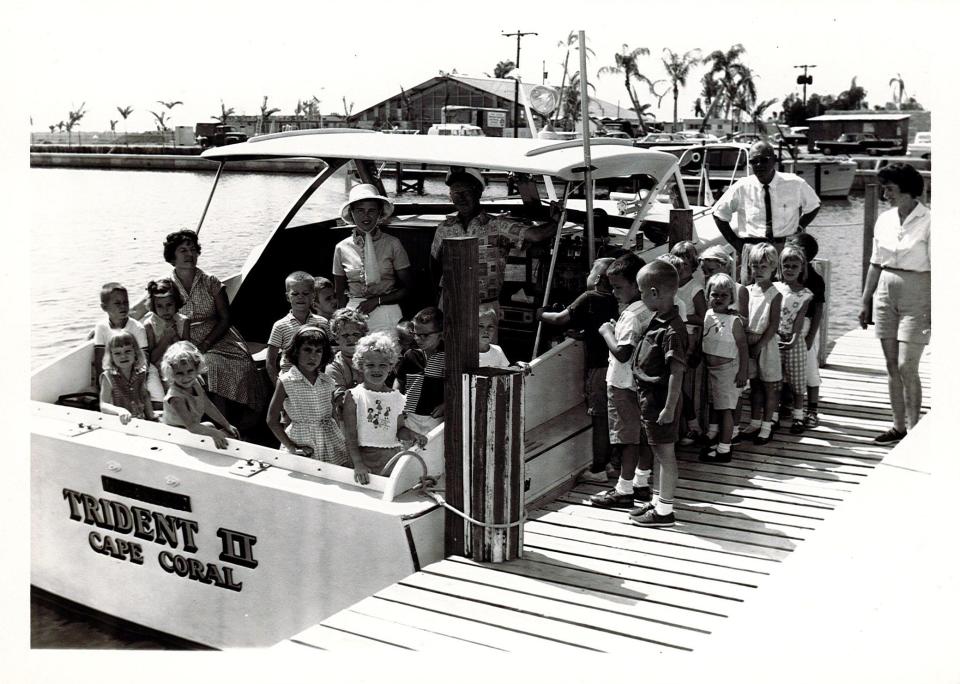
column 231, row 372
column 898, row 288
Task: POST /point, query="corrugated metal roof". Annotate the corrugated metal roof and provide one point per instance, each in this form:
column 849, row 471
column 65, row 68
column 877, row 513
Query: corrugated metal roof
column 860, row 117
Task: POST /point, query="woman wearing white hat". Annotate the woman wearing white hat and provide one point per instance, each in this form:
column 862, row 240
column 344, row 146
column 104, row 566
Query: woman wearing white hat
column 371, row 270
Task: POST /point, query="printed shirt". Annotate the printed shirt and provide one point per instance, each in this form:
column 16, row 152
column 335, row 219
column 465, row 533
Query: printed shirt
column 664, row 340
column 905, row 247
column 588, row 312
column 282, row 332
column 348, row 262
column 718, row 339
column 790, row 198
column 377, row 415
column 629, row 330
column 496, row 235
column 421, row 379
column 793, row 301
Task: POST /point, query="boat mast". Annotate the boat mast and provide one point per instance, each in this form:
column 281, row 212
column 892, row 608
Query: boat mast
column 587, row 163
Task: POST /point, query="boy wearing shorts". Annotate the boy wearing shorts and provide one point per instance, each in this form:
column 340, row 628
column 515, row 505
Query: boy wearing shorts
column 659, row 366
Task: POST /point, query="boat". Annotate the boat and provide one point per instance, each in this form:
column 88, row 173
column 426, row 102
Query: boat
column 248, row 545
column 725, row 163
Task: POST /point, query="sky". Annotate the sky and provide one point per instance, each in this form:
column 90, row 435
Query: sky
column 106, row 54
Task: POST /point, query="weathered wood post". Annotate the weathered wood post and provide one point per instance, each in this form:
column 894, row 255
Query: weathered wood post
column 822, row 266
column 871, row 200
column 681, row 226
column 461, row 303
column 495, row 469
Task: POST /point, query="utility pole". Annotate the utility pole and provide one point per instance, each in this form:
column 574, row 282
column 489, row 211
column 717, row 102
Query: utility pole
column 516, row 86
column 804, row 80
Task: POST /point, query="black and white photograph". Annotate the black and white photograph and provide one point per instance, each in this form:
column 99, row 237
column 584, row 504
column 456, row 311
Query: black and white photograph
column 372, row 338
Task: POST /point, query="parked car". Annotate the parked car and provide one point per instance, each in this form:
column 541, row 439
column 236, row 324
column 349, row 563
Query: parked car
column 853, row 143
column 217, row 134
column 455, row 129
column 920, row 147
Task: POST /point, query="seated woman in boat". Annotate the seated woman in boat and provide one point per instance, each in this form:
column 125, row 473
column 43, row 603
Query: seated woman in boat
column 371, row 270
column 231, row 374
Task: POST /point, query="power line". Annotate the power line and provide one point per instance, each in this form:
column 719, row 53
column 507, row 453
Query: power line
column 516, row 86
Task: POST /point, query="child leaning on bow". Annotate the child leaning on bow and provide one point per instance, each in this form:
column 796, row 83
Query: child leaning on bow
column 186, row 402
column 305, row 394
column 123, row 383
column 373, row 417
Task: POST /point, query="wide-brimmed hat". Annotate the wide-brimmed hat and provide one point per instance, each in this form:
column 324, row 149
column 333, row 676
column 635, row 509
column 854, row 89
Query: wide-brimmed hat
column 365, row 191
column 467, row 173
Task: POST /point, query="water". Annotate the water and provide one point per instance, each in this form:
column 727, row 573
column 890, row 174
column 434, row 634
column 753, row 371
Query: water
column 92, row 226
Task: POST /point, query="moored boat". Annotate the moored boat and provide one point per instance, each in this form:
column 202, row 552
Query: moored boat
column 248, row 545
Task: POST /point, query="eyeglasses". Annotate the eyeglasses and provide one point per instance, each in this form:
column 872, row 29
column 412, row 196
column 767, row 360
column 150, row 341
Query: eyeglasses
column 761, row 160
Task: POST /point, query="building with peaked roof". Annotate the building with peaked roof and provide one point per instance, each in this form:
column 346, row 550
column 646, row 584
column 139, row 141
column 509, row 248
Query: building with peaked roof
column 422, row 105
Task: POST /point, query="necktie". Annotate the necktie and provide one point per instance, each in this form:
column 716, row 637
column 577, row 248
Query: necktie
column 371, row 268
column 768, row 206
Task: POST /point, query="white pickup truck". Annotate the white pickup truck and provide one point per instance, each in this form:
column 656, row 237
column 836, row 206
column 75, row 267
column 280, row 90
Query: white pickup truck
column 920, row 147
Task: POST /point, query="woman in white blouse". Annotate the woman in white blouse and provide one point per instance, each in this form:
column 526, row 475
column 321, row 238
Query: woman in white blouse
column 898, row 287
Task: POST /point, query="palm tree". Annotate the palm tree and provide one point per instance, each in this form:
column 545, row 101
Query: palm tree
column 225, row 113
column 569, row 109
column 740, row 90
column 678, row 69
column 726, row 76
column 73, row 118
column 161, row 121
column 265, row 114
column 755, row 110
column 898, row 90
column 61, row 126
column 125, row 112
column 52, row 127
column 113, row 127
column 503, row 68
column 347, row 109
column 572, row 41
column 626, row 63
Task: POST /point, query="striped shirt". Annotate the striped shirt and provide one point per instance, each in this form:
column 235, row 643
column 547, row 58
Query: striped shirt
column 421, row 379
column 281, row 335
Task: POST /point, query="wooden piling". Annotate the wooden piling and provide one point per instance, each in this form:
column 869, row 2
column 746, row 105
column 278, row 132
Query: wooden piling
column 681, row 226
column 461, row 303
column 871, row 200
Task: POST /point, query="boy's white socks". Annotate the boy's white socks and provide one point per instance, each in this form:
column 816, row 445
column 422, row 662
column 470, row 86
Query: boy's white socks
column 766, row 427
column 797, row 414
column 663, row 508
column 624, row 486
column 723, row 448
column 641, row 478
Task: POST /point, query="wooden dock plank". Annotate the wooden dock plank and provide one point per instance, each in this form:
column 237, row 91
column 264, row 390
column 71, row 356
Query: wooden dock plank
column 374, row 626
column 328, row 638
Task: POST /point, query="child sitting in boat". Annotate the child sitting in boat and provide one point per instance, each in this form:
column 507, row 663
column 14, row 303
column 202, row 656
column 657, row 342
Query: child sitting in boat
column 588, row 312
column 491, row 355
column 762, row 324
column 305, row 394
column 116, row 304
column 163, row 324
column 793, row 312
column 724, row 344
column 325, row 302
column 373, row 418
column 123, row 383
column 299, row 287
column 421, row 372
column 348, row 326
column 186, row 402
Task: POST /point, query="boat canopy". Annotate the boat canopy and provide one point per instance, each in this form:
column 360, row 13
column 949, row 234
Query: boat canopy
column 564, row 160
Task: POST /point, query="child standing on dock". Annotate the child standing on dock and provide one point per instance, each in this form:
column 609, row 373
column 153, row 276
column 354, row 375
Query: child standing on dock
column 305, row 394
column 373, row 418
column 186, row 402
column 588, row 312
column 811, row 325
column 658, row 368
column 683, row 257
column 421, row 372
column 725, row 356
column 793, row 347
column 299, row 287
column 123, row 384
column 763, row 322
column 623, row 411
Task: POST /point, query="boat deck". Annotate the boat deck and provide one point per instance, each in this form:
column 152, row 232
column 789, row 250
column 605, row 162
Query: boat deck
column 591, row 581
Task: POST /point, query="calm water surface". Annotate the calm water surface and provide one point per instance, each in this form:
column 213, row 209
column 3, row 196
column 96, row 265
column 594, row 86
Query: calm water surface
column 93, row 226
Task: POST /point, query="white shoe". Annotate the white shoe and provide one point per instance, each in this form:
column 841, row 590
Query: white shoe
column 599, row 478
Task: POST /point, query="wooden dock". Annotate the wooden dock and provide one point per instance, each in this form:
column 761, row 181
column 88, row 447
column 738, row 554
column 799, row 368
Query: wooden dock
column 590, row 582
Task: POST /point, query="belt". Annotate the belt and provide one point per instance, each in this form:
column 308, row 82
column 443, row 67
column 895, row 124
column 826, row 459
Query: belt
column 901, row 270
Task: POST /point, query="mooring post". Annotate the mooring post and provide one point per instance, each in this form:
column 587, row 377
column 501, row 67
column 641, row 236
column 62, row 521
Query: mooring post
column 461, row 304
column 871, row 201
column 681, row 226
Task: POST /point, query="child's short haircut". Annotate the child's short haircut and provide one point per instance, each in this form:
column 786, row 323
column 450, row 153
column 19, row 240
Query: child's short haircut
column 626, row 266
column 489, row 313
column 676, row 261
column 431, row 316
column 122, row 338
column 761, row 253
column 792, row 251
column 181, row 352
column 163, row 287
column 378, row 342
column 687, row 251
column 720, row 282
column 807, row 243
column 108, row 289
column 321, row 283
column 663, row 275
column 598, row 271
column 308, row 334
column 299, row 277
column 344, row 316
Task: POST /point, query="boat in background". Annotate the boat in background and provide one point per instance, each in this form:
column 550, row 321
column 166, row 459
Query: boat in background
column 248, row 545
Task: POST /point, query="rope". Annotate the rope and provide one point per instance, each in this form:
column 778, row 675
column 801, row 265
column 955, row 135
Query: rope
column 495, row 526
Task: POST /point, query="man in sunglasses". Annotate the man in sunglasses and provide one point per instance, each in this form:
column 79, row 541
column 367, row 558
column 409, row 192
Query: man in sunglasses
column 770, row 205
